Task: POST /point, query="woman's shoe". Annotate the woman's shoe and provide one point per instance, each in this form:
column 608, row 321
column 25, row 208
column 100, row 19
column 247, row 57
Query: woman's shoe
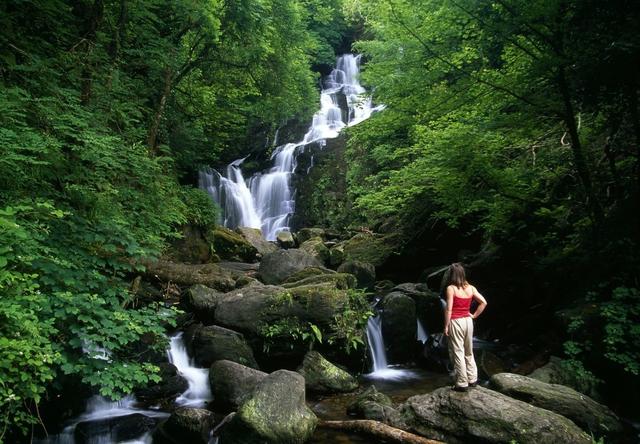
column 457, row 388
column 473, row 384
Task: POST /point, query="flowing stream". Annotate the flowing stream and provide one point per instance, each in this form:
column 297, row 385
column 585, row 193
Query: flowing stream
column 199, row 391
column 267, row 199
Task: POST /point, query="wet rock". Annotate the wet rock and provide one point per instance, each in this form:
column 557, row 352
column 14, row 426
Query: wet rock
column 170, row 386
column 594, row 418
column 365, row 273
column 336, row 255
column 213, row 343
column 276, row 267
column 185, row 425
column 201, row 301
column 371, row 404
column 119, row 428
column 366, row 247
column 316, row 248
column 321, row 376
column 255, row 238
column 399, row 326
column 232, row 383
column 482, row 415
column 285, row 239
column 230, row 245
column 274, row 413
column 304, row 234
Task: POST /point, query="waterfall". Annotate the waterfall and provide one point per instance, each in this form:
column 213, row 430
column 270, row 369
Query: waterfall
column 381, row 368
column 198, row 392
column 422, row 333
column 376, row 343
column 266, row 200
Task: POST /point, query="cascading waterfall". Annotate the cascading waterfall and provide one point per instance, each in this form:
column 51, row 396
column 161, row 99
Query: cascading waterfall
column 422, row 333
column 198, row 392
column 266, row 200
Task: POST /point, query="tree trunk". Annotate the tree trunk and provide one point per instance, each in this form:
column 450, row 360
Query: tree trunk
column 152, row 139
column 93, row 19
column 379, row 430
column 578, row 154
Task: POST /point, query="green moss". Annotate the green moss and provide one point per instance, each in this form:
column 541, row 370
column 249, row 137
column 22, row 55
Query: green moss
column 365, row 247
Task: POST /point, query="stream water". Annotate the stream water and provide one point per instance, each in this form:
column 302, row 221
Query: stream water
column 267, row 199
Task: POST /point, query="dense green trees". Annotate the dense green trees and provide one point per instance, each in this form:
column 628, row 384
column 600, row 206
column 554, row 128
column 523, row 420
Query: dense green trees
column 107, row 105
column 516, row 121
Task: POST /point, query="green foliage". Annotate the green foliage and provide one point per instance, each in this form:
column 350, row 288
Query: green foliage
column 106, row 108
column 200, row 209
column 349, row 325
column 621, row 337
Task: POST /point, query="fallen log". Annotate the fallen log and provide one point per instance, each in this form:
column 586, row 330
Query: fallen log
column 379, row 430
column 211, row 275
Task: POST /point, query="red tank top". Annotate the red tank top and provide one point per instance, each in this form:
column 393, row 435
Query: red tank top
column 460, row 308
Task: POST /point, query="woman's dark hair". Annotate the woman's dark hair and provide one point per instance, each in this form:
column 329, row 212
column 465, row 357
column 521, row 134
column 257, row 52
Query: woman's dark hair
column 456, row 275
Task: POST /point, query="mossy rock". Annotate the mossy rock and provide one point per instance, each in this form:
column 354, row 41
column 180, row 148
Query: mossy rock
column 308, row 272
column 304, row 234
column 371, row 404
column 275, row 413
column 365, row 247
column 341, row 281
column 336, row 255
column 230, row 245
column 321, row 376
column 315, row 247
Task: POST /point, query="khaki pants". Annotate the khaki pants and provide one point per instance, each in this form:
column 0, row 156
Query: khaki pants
column 461, row 351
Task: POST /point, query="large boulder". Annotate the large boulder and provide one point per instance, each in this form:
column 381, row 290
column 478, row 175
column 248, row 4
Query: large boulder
column 304, row 234
column 191, row 247
column 554, row 372
column 185, row 425
column 213, row 343
column 230, row 245
column 367, row 247
column 365, row 273
column 306, row 273
column 170, row 386
column 285, row 239
column 211, row 275
column 321, row 376
column 256, row 239
column 336, row 255
column 594, row 418
column 274, row 413
column 399, row 326
column 118, row 428
column 232, row 383
column 371, row 404
column 201, row 301
column 276, row 267
column 429, row 308
column 316, row 248
column 482, row 415
column 249, row 308
column 341, row 281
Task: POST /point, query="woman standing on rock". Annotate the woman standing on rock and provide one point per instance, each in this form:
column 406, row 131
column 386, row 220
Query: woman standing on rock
column 458, row 326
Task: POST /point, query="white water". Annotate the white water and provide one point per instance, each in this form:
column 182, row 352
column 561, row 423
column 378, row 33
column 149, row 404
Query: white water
column 198, row 392
column 381, row 368
column 422, row 333
column 267, row 200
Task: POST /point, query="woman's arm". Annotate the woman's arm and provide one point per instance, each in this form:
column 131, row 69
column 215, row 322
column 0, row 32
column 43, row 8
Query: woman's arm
column 481, row 301
column 447, row 311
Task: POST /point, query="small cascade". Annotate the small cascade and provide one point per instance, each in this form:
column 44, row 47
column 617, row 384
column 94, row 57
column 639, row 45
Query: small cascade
column 422, row 333
column 381, row 368
column 199, row 391
column 266, row 200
